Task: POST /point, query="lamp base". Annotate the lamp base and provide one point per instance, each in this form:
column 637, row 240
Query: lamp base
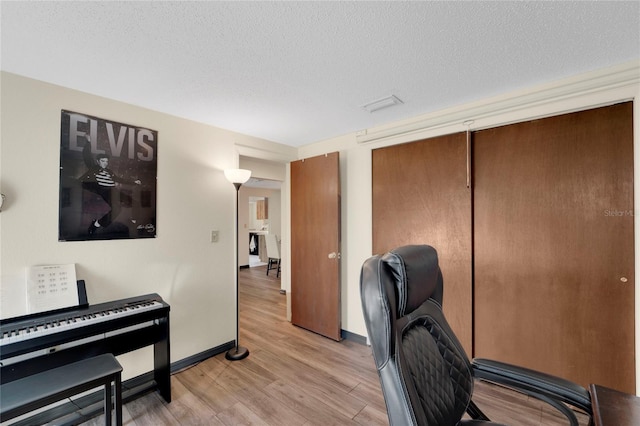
column 237, row 353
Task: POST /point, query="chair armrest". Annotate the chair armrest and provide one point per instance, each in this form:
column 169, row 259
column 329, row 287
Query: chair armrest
column 534, row 383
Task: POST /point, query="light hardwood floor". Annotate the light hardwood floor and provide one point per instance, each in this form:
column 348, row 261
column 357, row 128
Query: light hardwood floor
column 293, row 377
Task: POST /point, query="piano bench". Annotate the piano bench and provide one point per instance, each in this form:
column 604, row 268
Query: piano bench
column 38, row 390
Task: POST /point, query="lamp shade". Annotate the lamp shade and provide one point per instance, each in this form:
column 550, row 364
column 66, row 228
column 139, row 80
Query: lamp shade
column 237, row 175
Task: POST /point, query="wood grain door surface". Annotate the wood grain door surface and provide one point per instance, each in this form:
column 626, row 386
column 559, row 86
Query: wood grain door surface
column 420, row 196
column 538, row 260
column 315, row 245
column 553, row 245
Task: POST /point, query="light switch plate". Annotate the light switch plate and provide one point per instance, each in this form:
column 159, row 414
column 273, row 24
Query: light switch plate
column 214, row 236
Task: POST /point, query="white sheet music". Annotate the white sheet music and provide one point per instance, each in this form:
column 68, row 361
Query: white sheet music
column 51, row 287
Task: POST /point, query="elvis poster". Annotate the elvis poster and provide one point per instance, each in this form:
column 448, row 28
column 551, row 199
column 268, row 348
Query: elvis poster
column 108, row 176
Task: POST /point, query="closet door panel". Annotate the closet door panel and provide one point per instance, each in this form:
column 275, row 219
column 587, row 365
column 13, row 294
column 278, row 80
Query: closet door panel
column 420, row 196
column 553, row 246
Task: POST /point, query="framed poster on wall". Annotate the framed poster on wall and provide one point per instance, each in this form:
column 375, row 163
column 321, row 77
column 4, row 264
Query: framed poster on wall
column 108, row 174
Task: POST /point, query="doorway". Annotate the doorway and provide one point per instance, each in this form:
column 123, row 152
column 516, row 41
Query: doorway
column 258, row 230
column 269, row 179
column 260, row 217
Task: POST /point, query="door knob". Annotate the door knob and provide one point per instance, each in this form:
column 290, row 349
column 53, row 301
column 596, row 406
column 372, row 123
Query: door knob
column 333, row 255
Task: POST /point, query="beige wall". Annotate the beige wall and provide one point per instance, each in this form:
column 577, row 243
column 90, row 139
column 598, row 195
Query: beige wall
column 192, row 274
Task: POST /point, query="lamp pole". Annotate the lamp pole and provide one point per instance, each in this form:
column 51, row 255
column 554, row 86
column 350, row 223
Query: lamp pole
column 237, row 177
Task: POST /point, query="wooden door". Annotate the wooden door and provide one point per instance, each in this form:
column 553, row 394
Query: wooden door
column 420, row 196
column 553, row 245
column 315, row 244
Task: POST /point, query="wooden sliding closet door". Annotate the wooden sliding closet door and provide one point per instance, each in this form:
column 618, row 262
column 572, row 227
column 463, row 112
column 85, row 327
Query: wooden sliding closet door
column 553, row 245
column 420, row 196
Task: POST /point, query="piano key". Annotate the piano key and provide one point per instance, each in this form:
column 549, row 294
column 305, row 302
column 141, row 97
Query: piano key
column 76, row 321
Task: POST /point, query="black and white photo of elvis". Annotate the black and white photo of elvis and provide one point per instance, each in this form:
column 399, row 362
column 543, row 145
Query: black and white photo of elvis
column 107, row 179
column 102, row 181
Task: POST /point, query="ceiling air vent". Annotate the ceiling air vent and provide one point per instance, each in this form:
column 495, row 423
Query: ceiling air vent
column 383, row 103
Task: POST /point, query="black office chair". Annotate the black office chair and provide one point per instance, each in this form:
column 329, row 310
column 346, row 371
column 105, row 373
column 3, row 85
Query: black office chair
column 426, row 377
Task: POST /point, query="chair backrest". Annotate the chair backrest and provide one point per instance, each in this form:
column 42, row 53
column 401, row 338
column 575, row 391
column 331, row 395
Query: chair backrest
column 273, row 249
column 424, row 372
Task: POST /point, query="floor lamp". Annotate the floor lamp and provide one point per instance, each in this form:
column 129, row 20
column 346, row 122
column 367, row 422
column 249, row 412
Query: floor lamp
column 237, row 177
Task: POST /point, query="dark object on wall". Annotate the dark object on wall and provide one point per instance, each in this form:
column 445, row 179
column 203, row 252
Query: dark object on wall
column 425, row 374
column 108, row 174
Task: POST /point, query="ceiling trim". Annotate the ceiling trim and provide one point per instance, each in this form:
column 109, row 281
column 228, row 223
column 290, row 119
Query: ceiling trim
column 603, row 80
column 265, row 154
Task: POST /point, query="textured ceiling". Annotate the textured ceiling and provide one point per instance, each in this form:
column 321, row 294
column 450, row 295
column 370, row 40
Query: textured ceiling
column 300, row 72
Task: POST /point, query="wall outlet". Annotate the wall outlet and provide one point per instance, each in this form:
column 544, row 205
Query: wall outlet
column 214, row 236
